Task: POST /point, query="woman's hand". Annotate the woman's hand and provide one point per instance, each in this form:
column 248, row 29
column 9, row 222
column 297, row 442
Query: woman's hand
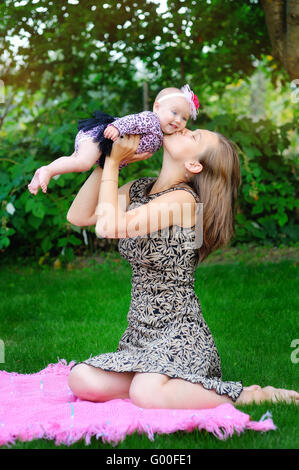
column 123, row 150
column 136, row 158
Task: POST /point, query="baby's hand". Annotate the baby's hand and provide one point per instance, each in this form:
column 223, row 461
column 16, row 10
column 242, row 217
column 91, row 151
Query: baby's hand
column 111, row 132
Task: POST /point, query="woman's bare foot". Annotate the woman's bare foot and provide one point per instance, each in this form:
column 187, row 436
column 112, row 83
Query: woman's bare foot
column 257, row 394
column 280, row 395
column 34, row 184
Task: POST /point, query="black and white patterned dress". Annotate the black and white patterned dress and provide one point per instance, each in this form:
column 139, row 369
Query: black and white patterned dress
column 166, row 331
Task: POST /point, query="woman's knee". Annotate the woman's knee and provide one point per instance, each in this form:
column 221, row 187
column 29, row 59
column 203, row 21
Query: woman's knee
column 95, row 384
column 86, row 383
column 81, row 382
column 146, row 390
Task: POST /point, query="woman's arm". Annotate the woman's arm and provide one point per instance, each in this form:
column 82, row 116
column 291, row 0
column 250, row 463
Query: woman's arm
column 173, row 208
column 82, row 210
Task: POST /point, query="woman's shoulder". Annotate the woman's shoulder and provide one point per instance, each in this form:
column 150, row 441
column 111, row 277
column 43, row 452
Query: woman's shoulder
column 140, row 188
column 179, row 192
column 190, row 190
column 182, row 194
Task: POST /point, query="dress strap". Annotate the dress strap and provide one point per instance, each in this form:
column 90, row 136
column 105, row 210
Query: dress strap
column 139, row 189
column 194, row 194
column 191, row 191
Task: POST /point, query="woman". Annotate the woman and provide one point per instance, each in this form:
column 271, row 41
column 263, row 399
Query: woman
column 167, row 357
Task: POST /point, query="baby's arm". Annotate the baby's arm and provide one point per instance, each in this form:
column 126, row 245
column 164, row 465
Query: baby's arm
column 111, row 132
column 141, row 123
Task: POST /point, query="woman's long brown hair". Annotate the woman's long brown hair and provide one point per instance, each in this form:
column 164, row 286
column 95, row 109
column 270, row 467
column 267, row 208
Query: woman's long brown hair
column 217, row 186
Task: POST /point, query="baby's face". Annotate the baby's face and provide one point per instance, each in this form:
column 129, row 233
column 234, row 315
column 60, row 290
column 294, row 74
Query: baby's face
column 173, row 114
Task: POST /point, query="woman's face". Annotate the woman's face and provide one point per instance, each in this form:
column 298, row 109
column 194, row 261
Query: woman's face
column 187, row 145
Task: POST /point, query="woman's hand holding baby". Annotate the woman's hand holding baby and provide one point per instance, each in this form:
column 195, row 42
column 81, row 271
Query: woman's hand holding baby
column 123, row 150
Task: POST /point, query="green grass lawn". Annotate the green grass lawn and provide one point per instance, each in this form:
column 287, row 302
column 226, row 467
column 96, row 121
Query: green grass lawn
column 251, row 309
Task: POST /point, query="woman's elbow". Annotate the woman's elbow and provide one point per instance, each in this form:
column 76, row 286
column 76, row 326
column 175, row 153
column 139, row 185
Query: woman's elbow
column 99, row 231
column 102, row 230
column 75, row 220
column 70, row 218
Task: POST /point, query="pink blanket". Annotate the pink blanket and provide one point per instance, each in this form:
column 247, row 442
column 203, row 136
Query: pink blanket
column 41, row 405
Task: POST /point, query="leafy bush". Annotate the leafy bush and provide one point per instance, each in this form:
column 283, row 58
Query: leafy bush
column 36, row 226
column 267, row 200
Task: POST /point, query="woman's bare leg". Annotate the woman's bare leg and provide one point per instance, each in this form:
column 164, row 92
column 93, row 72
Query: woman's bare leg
column 82, row 160
column 150, row 390
column 94, row 384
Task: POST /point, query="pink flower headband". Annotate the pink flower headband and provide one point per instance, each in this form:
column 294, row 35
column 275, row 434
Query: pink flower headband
column 190, row 97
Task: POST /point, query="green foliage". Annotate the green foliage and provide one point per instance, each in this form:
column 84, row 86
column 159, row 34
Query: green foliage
column 267, row 201
column 38, row 226
column 89, row 45
column 65, row 65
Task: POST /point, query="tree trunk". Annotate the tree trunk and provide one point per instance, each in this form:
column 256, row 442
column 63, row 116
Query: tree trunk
column 7, row 109
column 182, row 67
column 145, row 96
column 282, row 19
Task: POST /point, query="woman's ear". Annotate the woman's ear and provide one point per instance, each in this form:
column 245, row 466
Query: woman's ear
column 193, row 167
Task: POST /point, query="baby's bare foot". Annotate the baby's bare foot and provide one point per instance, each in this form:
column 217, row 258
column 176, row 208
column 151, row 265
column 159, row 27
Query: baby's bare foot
column 44, row 178
column 34, row 184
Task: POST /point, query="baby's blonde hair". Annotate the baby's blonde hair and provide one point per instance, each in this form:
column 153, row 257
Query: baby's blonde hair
column 167, row 91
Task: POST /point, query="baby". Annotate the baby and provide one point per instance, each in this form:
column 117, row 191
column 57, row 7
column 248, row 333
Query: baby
column 171, row 111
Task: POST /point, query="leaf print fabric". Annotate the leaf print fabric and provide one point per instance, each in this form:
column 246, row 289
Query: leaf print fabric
column 166, row 331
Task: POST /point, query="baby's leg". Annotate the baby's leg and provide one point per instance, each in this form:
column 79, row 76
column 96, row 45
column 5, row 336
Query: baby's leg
column 82, row 160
